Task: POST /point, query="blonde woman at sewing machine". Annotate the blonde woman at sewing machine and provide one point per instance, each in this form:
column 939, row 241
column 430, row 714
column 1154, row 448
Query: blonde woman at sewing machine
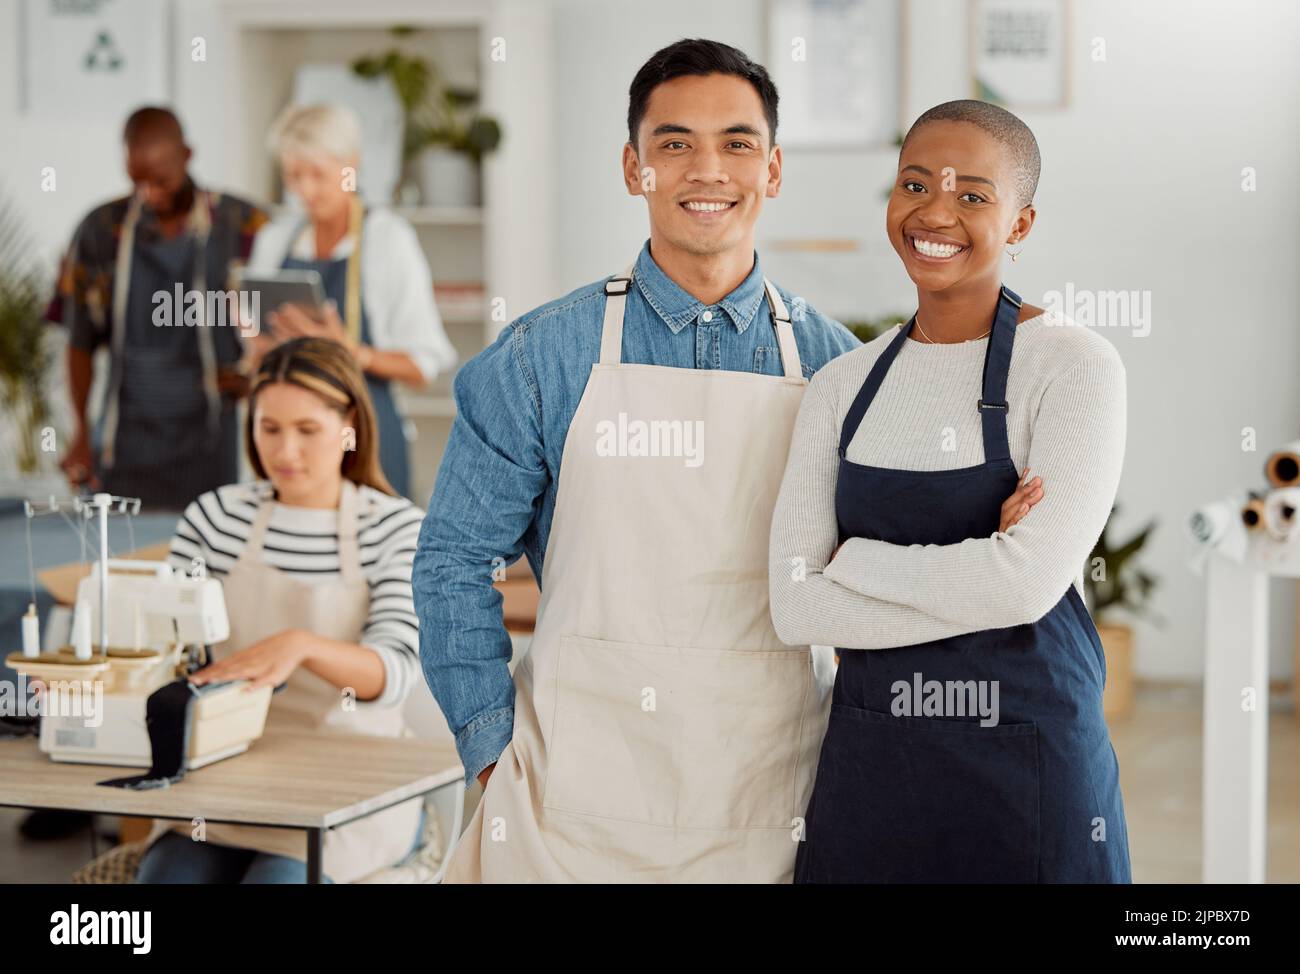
column 315, row 558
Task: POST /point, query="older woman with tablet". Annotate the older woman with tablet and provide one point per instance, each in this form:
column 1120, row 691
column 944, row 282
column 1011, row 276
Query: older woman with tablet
column 376, row 282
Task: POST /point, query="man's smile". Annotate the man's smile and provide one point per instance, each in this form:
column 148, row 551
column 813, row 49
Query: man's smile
column 708, row 209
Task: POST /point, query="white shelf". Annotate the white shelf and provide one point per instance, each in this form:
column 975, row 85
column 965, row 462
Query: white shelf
column 441, row 216
column 269, row 39
column 420, row 216
column 462, row 317
column 426, row 406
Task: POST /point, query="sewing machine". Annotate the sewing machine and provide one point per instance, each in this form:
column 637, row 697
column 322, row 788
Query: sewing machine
column 159, row 627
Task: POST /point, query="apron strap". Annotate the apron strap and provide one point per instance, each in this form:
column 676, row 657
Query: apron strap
column 611, row 336
column 997, row 365
column 200, row 226
column 993, row 385
column 257, row 534
column 352, row 299
column 117, row 325
column 867, row 393
column 349, row 550
column 784, row 332
column 201, row 223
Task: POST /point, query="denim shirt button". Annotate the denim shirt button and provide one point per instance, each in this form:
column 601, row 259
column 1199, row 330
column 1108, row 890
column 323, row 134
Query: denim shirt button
column 706, row 317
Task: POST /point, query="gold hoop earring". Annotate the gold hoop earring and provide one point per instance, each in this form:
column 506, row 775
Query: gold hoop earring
column 1016, row 253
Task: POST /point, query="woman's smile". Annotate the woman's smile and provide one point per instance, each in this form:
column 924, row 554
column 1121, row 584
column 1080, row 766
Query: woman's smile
column 932, row 248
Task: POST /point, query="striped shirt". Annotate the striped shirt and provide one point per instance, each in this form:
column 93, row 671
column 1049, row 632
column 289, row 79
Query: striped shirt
column 304, row 543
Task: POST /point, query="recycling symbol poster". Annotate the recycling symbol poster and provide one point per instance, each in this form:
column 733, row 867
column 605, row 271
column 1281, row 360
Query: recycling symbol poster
column 90, row 57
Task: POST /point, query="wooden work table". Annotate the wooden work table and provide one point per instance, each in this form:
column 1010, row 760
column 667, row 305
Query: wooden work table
column 288, row 779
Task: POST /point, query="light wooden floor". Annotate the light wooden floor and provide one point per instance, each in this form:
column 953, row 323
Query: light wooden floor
column 1159, row 749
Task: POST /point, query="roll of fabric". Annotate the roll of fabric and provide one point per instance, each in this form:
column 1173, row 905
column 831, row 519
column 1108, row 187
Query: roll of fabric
column 1252, row 511
column 1282, row 514
column 1283, row 466
column 167, row 717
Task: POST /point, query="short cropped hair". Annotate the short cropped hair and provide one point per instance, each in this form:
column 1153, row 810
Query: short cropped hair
column 1004, row 127
column 697, row 57
column 152, row 122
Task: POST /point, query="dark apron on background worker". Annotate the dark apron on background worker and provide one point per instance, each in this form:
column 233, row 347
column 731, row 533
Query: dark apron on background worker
column 393, row 455
column 1033, row 798
column 166, row 436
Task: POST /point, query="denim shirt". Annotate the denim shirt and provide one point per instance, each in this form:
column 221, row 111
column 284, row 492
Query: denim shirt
column 496, row 487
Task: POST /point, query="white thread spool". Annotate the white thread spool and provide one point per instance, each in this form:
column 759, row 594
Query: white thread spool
column 1282, row 514
column 81, row 630
column 1218, row 527
column 31, row 632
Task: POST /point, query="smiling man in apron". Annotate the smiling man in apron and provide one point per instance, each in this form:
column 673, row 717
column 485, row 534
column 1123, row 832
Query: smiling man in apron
column 629, row 439
column 167, row 430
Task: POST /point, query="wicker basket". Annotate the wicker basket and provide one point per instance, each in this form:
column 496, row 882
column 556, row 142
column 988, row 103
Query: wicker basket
column 116, row 866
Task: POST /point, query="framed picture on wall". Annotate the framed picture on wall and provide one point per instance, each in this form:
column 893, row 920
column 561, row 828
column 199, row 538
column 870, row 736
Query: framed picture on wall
column 838, row 66
column 1020, row 52
column 94, row 58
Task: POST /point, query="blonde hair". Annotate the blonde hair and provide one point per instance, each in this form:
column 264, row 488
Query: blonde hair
column 313, row 130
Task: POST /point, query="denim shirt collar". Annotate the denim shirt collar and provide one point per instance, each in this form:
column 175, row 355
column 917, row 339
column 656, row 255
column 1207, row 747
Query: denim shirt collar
column 678, row 308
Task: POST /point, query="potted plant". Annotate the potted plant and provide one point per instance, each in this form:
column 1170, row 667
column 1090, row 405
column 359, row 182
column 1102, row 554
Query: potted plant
column 446, row 138
column 1113, row 581
column 25, row 356
column 451, row 162
column 868, row 328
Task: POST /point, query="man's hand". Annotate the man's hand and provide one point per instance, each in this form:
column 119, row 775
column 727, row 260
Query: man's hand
column 231, row 383
column 78, row 465
column 485, row 774
column 1026, row 495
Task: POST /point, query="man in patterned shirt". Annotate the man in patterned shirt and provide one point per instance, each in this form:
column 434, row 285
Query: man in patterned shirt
column 144, row 275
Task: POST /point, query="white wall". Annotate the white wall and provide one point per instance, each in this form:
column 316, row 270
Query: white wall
column 1140, row 190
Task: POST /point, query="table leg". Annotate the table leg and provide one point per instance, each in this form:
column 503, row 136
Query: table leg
column 1234, row 782
column 315, row 850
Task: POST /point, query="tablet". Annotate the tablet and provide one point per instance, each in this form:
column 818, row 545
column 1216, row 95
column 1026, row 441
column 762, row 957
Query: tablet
column 300, row 287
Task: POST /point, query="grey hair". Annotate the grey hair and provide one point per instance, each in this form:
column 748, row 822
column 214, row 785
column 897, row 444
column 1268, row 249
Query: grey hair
column 313, row 130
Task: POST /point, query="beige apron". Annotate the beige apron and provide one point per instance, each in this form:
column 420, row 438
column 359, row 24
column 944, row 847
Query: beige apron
column 262, row 600
column 662, row 732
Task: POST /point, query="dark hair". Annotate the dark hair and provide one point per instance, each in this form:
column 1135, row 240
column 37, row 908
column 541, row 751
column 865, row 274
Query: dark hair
column 152, row 122
column 326, row 368
column 1003, row 126
column 697, row 57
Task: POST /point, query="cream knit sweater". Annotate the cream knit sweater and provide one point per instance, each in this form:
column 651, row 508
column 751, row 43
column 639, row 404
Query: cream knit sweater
column 1066, row 420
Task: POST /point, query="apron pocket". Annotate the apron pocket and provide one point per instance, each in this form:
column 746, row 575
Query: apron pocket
column 915, row 799
column 676, row 736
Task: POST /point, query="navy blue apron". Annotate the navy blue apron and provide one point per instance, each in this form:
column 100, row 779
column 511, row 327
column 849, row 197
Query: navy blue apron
column 392, row 439
column 909, row 798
